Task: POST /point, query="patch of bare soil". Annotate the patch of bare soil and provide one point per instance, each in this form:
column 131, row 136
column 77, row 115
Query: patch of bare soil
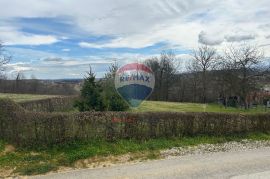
column 5, row 173
column 9, row 149
column 108, row 161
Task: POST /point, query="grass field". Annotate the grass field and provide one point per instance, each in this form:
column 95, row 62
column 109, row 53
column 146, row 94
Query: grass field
column 192, row 107
column 153, row 105
column 24, row 97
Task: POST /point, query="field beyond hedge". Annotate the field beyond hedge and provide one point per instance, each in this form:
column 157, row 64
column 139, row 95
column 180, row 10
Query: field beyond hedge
column 24, row 97
column 152, row 106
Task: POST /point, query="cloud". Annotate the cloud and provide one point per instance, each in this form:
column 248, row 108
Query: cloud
column 239, row 37
column 139, row 24
column 207, row 39
column 128, row 42
column 267, row 36
column 264, row 26
column 102, row 28
column 57, row 67
column 12, row 36
column 52, row 59
column 18, row 67
column 65, row 49
column 132, row 24
column 49, row 65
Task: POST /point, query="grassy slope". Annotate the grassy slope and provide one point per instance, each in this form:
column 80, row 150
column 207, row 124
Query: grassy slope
column 24, row 97
column 190, row 107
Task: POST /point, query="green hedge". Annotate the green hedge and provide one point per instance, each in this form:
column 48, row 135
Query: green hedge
column 22, row 127
column 51, row 104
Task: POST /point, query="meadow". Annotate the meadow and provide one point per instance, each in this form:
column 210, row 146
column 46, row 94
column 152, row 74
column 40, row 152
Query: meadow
column 153, row 106
column 24, row 97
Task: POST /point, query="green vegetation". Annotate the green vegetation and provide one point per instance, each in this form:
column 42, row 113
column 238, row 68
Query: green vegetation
column 113, row 100
column 39, row 160
column 192, row 107
column 147, row 106
column 100, row 95
column 2, row 146
column 91, row 98
column 24, row 97
column 34, row 169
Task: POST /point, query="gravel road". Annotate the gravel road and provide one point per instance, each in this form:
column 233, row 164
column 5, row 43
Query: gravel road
column 245, row 159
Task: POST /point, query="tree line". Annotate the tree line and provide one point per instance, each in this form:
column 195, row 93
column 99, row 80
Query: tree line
column 236, row 73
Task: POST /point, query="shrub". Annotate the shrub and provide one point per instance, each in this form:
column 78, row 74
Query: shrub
column 116, row 103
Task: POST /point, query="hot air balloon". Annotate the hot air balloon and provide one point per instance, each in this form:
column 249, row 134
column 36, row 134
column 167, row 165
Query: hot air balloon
column 134, row 82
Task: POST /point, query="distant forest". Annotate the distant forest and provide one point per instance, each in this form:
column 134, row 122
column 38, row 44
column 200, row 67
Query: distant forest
column 35, row 86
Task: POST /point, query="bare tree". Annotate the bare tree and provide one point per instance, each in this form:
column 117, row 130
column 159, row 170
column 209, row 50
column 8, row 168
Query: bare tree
column 164, row 68
column 246, row 64
column 4, row 59
column 153, row 63
column 194, row 79
column 19, row 87
column 204, row 60
column 169, row 64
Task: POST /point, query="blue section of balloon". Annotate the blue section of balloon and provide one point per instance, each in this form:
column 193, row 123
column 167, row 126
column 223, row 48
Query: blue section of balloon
column 134, row 83
column 134, row 94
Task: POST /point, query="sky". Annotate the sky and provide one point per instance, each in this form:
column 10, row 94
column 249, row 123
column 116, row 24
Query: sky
column 55, row 39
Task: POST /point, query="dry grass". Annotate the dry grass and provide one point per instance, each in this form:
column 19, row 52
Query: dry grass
column 24, row 97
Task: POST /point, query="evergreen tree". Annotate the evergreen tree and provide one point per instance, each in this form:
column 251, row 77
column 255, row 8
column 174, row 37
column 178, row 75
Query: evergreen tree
column 91, row 98
column 115, row 102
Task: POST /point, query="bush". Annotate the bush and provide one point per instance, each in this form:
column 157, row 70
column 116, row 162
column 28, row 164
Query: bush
column 116, row 103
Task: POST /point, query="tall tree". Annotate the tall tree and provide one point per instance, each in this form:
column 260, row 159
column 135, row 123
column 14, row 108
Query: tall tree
column 164, row 69
column 19, row 87
column 154, row 65
column 169, row 64
column 193, row 80
column 246, row 65
column 91, row 98
column 204, row 60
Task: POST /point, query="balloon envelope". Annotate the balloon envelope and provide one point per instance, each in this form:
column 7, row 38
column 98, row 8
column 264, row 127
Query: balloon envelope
column 134, row 82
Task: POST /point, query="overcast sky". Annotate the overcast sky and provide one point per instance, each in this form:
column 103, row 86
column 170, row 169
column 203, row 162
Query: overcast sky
column 60, row 38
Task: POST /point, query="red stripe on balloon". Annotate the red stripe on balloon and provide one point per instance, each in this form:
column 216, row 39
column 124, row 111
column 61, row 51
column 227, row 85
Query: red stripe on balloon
column 134, row 66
